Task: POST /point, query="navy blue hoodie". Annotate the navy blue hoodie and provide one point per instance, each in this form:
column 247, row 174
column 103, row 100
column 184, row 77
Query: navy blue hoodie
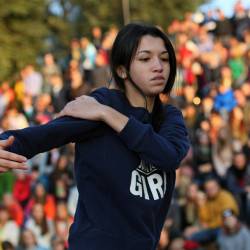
column 125, row 180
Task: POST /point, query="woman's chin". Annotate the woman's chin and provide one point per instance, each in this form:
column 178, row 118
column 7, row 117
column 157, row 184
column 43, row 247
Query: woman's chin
column 155, row 90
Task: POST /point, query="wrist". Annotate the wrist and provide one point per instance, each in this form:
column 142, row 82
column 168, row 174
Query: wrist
column 105, row 110
column 113, row 118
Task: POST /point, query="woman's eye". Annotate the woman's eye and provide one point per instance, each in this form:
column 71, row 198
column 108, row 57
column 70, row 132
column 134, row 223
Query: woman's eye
column 144, row 59
column 165, row 59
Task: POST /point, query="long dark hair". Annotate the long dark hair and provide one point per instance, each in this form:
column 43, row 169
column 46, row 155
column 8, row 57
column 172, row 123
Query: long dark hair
column 123, row 52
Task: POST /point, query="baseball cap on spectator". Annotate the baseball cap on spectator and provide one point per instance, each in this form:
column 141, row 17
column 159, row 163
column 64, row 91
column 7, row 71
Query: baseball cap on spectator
column 227, row 213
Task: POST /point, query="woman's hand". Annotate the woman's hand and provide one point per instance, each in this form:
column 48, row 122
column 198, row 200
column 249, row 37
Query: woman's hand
column 87, row 107
column 84, row 107
column 10, row 160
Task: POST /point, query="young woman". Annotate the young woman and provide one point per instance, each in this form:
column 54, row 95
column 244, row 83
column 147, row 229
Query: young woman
column 128, row 146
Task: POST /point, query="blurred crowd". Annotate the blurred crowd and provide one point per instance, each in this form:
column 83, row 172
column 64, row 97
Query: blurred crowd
column 211, row 204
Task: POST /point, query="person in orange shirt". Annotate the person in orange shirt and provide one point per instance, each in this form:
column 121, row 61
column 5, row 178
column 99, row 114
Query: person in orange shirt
column 41, row 196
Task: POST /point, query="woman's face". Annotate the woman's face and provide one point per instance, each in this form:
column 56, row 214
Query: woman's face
column 192, row 192
column 38, row 212
column 28, row 238
column 240, row 161
column 211, row 188
column 230, row 222
column 62, row 211
column 39, row 190
column 150, row 66
column 4, row 216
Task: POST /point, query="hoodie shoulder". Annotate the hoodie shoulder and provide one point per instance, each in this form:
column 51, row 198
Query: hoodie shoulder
column 171, row 109
column 102, row 95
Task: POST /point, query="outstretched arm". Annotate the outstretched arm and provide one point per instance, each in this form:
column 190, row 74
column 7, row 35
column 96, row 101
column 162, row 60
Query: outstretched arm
column 37, row 139
column 33, row 140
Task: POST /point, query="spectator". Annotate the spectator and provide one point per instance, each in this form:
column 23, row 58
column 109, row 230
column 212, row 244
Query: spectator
column 22, row 188
column 61, row 178
column 97, row 36
column 236, row 61
column 41, row 196
column 224, row 101
column 238, row 182
column 43, row 111
column 6, row 245
column 15, row 119
column 190, row 219
column 233, row 235
column 202, row 148
column 75, row 54
column 217, row 200
column 49, row 68
column 33, row 81
column 101, row 72
column 222, row 151
column 177, row 244
column 7, row 181
column 15, row 210
column 72, row 200
column 28, row 241
column 58, row 244
column 28, row 108
column 42, row 228
column 237, row 125
column 8, row 228
column 38, row 177
column 78, row 86
column 7, row 97
column 224, row 27
column 58, row 92
column 240, row 19
column 88, row 63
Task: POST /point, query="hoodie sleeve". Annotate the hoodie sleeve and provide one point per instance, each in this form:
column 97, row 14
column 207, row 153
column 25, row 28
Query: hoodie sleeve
column 33, row 140
column 164, row 149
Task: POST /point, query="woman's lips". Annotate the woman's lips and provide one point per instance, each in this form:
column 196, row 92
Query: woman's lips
column 157, row 78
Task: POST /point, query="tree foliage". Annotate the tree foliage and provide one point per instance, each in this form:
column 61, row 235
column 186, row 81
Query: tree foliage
column 162, row 12
column 25, row 27
column 109, row 12
column 29, row 28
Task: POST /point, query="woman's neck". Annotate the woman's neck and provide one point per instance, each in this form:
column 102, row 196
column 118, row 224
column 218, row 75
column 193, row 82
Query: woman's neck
column 136, row 98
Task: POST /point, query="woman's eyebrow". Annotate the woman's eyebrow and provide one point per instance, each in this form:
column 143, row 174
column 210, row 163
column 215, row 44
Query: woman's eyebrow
column 148, row 52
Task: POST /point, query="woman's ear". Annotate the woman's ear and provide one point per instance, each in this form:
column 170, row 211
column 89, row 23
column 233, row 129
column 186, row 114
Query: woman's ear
column 121, row 71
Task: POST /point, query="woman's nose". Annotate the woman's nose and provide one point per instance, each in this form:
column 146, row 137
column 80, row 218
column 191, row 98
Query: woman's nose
column 158, row 66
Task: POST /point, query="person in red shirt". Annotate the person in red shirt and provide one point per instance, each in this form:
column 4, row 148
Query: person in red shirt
column 21, row 189
column 14, row 208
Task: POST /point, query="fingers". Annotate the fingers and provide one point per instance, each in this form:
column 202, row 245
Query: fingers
column 8, row 165
column 10, row 160
column 8, row 142
column 74, row 107
column 12, row 156
column 60, row 114
column 63, row 112
column 84, row 98
column 3, row 170
column 81, row 97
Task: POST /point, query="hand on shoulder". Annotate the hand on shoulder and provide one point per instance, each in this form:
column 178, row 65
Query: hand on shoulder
column 84, row 107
